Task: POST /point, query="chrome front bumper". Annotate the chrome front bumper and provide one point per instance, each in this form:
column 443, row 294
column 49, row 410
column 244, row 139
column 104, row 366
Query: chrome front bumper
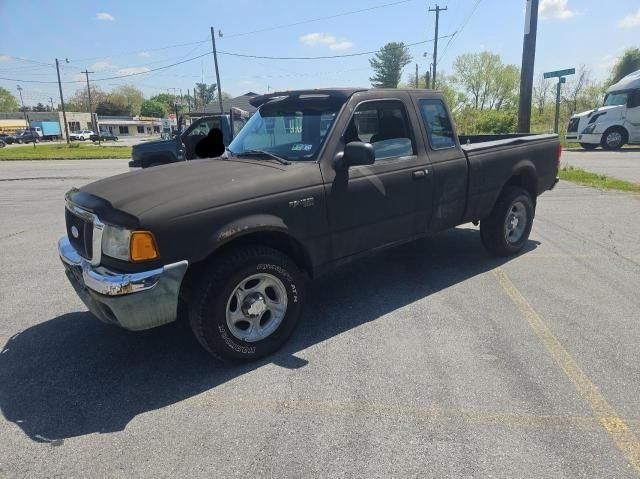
column 131, row 300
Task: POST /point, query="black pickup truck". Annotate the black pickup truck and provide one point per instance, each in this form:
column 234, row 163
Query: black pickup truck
column 315, row 179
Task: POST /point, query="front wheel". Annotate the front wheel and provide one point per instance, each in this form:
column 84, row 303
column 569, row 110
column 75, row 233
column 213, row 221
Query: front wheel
column 613, row 139
column 589, row 146
column 506, row 230
column 247, row 304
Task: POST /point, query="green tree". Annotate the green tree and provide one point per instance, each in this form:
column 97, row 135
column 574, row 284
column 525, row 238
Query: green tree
column 80, row 99
column 108, row 108
column 153, row 108
column 204, row 94
column 164, row 99
column 629, row 62
column 387, row 65
column 128, row 98
column 41, row 107
column 8, row 102
column 487, row 82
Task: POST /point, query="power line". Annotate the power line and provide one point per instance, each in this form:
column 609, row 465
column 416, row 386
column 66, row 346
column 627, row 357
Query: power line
column 324, row 57
column 458, row 31
column 311, row 20
column 122, row 54
column 241, row 55
column 117, row 76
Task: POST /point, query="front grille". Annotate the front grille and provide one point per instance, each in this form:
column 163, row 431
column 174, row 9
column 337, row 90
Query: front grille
column 80, row 234
column 573, row 125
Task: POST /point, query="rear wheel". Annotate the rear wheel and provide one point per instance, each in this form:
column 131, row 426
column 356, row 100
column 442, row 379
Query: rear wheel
column 247, row 304
column 613, row 138
column 589, row 146
column 506, row 230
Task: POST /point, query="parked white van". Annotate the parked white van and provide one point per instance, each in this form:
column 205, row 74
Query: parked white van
column 614, row 124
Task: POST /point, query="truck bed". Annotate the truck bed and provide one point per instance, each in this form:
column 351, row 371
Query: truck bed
column 492, row 163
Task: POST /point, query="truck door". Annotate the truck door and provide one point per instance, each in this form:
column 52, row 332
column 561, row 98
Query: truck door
column 449, row 163
column 199, row 130
column 389, row 201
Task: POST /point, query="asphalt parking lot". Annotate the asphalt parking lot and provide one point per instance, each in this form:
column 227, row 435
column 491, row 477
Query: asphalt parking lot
column 429, row 360
column 623, row 164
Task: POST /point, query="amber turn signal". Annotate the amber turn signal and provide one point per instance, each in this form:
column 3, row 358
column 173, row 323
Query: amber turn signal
column 143, row 246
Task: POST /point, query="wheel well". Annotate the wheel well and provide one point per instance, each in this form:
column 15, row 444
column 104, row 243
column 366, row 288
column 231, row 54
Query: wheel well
column 625, row 133
column 527, row 180
column 273, row 239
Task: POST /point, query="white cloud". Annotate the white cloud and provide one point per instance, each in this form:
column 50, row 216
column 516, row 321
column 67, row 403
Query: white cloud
column 5, row 58
column 105, row 16
column 144, row 54
column 102, row 65
column 313, row 39
column 555, row 10
column 630, row 21
column 132, row 70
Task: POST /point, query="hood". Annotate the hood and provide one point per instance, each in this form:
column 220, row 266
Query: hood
column 609, row 110
column 169, row 191
column 154, row 145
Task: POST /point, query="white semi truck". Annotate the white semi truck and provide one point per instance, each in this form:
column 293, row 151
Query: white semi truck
column 614, row 124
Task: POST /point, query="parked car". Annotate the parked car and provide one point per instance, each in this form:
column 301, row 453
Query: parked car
column 182, row 147
column 27, row 137
column 103, row 136
column 2, row 143
column 81, row 135
column 7, row 139
column 315, row 179
column 614, row 124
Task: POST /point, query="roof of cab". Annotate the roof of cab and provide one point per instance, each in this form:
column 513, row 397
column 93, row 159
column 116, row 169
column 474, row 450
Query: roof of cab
column 338, row 93
column 632, row 80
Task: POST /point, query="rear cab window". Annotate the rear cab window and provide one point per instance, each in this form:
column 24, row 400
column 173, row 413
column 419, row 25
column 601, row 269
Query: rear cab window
column 438, row 124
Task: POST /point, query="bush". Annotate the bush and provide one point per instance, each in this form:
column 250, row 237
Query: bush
column 473, row 122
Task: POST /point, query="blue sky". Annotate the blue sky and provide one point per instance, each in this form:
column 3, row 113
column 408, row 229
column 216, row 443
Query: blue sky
column 117, row 37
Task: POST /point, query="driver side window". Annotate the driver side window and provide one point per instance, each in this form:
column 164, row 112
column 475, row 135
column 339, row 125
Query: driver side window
column 203, row 128
column 384, row 124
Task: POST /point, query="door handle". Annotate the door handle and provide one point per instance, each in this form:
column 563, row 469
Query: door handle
column 420, row 174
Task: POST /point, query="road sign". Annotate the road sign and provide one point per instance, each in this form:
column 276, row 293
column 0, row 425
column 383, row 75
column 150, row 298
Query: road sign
column 560, row 73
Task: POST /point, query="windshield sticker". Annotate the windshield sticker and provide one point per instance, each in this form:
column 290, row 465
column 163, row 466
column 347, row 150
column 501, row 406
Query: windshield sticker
column 301, row 147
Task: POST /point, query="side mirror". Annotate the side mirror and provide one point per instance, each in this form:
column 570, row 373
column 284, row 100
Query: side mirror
column 356, row 153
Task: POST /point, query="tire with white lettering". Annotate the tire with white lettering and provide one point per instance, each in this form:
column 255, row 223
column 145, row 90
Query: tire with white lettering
column 247, row 303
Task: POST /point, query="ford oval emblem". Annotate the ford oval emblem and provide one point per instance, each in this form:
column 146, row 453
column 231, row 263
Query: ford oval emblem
column 74, row 232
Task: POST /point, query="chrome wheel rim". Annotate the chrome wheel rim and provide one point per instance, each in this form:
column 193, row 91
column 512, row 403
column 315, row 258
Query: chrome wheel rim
column 256, row 307
column 614, row 138
column 515, row 222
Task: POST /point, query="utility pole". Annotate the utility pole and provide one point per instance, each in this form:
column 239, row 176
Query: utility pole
column 64, row 113
column 435, row 44
column 51, row 100
column 528, row 61
column 94, row 126
column 417, row 76
column 189, row 99
column 215, row 61
column 24, row 112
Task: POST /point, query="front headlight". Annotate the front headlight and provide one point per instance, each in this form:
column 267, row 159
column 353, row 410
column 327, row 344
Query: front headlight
column 127, row 245
column 116, row 242
column 589, row 129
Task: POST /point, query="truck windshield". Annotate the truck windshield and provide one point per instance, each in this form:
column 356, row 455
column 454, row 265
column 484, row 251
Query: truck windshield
column 293, row 129
column 615, row 98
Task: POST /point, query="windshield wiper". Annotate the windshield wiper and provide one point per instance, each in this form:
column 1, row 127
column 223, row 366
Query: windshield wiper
column 265, row 153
